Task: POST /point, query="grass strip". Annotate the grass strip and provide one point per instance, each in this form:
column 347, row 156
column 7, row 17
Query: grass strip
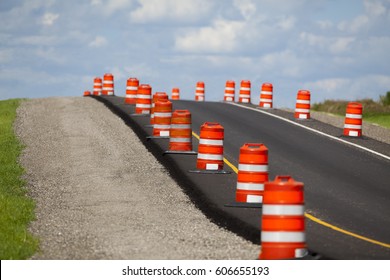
column 16, row 207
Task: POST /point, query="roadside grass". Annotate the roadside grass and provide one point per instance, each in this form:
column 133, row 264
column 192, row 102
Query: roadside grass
column 373, row 112
column 16, row 208
column 380, row 119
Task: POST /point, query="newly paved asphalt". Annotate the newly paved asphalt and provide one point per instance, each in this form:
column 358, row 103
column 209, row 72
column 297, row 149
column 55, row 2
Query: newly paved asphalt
column 346, row 187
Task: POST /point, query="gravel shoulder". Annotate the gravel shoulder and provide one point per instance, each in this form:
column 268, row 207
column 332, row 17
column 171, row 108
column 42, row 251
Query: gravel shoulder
column 101, row 195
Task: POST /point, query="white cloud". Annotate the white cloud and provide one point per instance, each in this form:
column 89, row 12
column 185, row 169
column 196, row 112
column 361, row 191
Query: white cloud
column 168, row 10
column 247, row 8
column 325, row 24
column 48, row 19
column 108, row 7
column 355, row 25
column 287, row 23
column 334, row 45
column 374, row 8
column 99, row 41
column 366, row 86
column 222, row 36
column 341, row 44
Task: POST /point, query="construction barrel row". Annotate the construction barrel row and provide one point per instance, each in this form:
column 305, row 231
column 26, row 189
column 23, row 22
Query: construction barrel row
column 282, row 200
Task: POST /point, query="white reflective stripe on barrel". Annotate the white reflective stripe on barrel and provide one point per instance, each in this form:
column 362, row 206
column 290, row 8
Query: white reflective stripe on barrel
column 352, row 126
column 266, row 92
column 252, row 167
column 299, row 110
column 180, row 140
column 229, row 88
column 181, row 126
column 250, row 198
column 353, row 116
column 250, row 186
column 282, row 236
column 143, row 96
column 138, row 105
column 210, row 156
column 289, row 210
column 302, row 101
column 162, row 126
column 265, row 100
column 162, row 115
column 211, row 142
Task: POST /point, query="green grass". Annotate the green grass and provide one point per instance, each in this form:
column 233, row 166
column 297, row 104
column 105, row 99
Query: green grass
column 379, row 119
column 16, row 208
column 373, row 112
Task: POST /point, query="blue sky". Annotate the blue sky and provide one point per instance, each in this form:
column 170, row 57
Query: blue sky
column 337, row 49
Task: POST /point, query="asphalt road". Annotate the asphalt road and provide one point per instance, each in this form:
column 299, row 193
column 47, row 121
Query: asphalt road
column 344, row 186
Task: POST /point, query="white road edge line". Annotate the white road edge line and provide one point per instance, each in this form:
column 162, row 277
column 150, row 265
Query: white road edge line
column 313, row 130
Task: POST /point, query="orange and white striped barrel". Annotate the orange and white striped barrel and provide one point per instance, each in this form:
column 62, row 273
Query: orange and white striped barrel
column 87, row 93
column 210, row 149
column 162, row 118
column 283, row 220
column 302, row 106
column 252, row 173
column 245, row 92
column 144, row 99
column 266, row 96
column 175, row 94
column 108, row 84
column 200, row 92
column 156, row 97
column 131, row 91
column 181, row 131
column 97, row 86
column 230, row 89
column 353, row 119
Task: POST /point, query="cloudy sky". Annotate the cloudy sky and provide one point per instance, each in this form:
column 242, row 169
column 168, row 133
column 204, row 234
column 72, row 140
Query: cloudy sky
column 337, row 49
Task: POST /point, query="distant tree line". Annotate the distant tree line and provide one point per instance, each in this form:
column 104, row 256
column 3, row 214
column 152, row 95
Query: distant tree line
column 385, row 99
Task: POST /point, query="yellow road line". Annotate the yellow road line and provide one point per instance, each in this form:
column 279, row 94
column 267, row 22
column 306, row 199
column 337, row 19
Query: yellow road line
column 314, row 219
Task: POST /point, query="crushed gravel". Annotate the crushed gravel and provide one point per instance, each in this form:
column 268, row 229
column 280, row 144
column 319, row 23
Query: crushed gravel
column 101, row 195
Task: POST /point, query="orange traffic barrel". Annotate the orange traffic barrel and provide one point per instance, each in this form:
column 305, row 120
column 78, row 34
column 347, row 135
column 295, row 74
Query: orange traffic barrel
column 266, row 95
column 180, row 135
column 108, row 84
column 230, row 89
column 252, row 173
column 245, row 92
column 87, row 93
column 302, row 106
column 210, row 149
column 200, row 92
column 97, row 86
column 283, row 220
column 353, row 119
column 175, row 94
column 162, row 118
column 144, row 100
column 131, row 91
column 156, row 97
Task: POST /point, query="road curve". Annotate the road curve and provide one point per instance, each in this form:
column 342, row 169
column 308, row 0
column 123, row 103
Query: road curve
column 346, row 187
